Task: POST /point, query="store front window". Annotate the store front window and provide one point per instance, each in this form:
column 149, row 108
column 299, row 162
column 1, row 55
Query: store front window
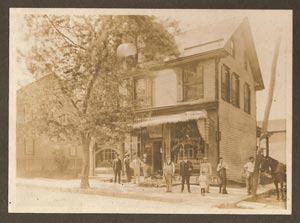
column 187, row 141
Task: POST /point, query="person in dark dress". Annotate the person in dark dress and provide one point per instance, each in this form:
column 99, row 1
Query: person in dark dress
column 117, row 167
column 186, row 168
column 127, row 167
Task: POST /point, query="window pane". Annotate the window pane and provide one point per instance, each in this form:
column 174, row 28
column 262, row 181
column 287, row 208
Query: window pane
column 235, row 89
column 193, row 92
column 225, row 85
column 247, row 98
column 193, row 83
column 140, row 91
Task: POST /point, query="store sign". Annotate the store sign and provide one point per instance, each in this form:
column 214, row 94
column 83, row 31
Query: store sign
column 155, row 131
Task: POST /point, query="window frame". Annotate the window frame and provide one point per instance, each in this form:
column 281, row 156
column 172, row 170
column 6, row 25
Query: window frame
column 198, row 83
column 147, row 97
column 235, row 93
column 247, row 95
column 225, row 85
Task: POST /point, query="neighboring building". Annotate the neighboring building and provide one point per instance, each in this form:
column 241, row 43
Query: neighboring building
column 276, row 139
column 202, row 103
column 41, row 155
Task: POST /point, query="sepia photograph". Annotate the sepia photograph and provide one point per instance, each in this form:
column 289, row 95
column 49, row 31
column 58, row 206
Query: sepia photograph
column 163, row 111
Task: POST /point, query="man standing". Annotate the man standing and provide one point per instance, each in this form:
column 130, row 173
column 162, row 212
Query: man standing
column 169, row 171
column 205, row 168
column 221, row 171
column 136, row 166
column 186, row 168
column 117, row 167
column 127, row 167
column 249, row 169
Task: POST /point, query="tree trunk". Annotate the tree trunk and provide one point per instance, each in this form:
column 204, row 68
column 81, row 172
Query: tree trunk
column 85, row 166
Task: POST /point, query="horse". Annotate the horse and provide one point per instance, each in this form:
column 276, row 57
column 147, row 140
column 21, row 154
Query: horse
column 278, row 173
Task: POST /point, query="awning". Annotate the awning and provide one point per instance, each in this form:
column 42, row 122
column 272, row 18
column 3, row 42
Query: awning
column 182, row 117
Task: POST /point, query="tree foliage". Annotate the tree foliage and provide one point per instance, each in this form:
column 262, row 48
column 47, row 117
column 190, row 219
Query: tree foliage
column 89, row 94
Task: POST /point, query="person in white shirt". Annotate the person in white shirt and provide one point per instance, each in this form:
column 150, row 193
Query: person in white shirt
column 168, row 172
column 206, row 168
column 249, row 169
column 136, row 164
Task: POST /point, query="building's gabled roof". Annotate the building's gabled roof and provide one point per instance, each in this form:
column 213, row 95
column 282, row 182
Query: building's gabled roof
column 206, row 38
column 214, row 37
column 276, row 125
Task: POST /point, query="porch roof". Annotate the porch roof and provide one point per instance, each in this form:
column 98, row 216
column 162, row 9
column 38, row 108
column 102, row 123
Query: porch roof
column 174, row 118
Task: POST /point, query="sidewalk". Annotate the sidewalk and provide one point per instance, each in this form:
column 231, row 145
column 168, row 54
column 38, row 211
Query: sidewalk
column 132, row 191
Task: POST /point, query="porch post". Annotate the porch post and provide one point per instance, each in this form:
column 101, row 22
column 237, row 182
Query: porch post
column 122, row 150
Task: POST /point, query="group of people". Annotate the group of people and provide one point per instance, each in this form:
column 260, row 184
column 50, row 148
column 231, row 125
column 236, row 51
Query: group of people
column 129, row 167
column 185, row 171
column 186, row 168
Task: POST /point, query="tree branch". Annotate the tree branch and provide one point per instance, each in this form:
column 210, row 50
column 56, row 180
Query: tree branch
column 69, row 98
column 67, row 39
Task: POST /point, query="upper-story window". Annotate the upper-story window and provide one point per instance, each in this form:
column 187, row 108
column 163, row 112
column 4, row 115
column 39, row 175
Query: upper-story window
column 235, row 90
column 247, row 98
column 192, row 82
column 225, row 83
column 142, row 92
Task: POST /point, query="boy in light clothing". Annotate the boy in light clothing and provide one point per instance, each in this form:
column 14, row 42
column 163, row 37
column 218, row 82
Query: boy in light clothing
column 203, row 182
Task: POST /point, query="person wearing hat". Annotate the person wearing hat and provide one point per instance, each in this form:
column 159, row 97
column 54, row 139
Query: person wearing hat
column 127, row 167
column 168, row 172
column 205, row 169
column 186, row 168
column 249, row 169
column 117, row 167
column 221, row 172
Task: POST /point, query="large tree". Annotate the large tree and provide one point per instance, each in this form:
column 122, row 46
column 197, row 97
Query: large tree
column 91, row 91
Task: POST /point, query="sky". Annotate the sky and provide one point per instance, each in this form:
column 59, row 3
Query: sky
column 265, row 26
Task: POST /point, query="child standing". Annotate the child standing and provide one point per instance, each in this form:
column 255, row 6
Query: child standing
column 203, row 182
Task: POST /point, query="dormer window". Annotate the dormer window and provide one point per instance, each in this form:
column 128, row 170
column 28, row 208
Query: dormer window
column 232, row 48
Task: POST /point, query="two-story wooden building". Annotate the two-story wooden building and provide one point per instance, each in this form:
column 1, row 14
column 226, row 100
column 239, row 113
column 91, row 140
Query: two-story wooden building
column 202, row 103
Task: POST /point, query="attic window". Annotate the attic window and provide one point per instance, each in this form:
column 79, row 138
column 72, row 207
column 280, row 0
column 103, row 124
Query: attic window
column 232, row 48
column 245, row 60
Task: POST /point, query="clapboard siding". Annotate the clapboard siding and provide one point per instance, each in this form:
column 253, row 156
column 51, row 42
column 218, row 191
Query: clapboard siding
column 238, row 128
column 238, row 138
column 164, row 89
column 164, row 85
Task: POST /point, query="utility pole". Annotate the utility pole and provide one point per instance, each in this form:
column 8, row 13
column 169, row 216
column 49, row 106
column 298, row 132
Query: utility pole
column 259, row 152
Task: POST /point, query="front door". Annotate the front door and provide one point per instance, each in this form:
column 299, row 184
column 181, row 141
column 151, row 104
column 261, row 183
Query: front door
column 157, row 156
